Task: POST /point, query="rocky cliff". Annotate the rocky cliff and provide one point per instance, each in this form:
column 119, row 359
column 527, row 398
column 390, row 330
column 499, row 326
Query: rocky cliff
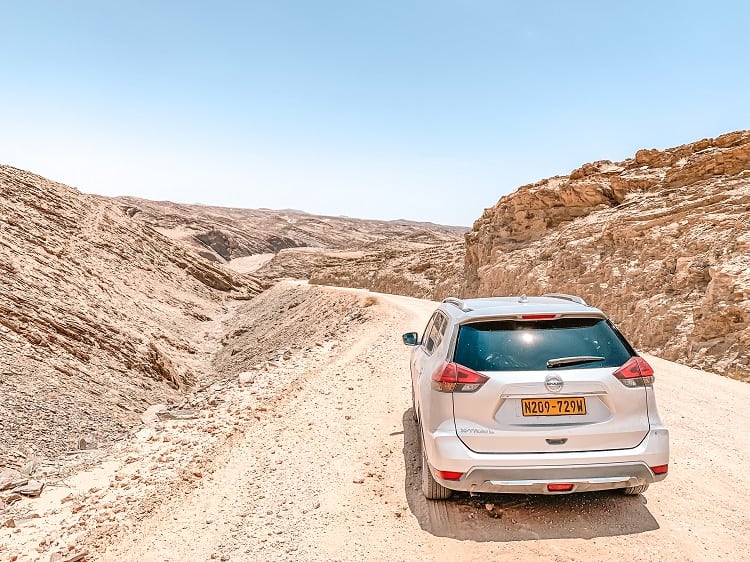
column 660, row 241
column 424, row 271
column 99, row 315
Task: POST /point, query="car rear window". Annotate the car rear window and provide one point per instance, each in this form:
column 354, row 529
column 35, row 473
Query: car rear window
column 510, row 345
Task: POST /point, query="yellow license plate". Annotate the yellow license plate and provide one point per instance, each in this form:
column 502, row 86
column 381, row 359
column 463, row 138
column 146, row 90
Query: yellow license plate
column 563, row 406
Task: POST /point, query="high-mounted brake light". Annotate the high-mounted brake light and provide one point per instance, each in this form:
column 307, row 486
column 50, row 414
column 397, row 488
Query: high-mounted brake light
column 453, row 377
column 538, row 316
column 636, row 372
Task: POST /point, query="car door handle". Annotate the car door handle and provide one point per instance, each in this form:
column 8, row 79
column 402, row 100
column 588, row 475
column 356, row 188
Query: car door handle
column 557, row 441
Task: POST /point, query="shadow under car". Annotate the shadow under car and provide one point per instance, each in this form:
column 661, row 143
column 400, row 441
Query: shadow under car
column 513, row 517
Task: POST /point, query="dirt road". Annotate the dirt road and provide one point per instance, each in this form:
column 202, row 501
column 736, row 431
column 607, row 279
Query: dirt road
column 331, row 473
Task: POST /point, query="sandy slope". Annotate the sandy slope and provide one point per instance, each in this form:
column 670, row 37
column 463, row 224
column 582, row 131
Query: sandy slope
column 331, row 474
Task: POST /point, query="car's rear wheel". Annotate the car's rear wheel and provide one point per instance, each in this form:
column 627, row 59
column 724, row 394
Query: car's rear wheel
column 431, row 489
column 635, row 490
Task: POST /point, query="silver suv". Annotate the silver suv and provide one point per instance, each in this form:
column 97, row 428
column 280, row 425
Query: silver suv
column 533, row 395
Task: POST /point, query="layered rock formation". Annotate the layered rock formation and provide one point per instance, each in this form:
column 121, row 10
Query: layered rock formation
column 660, row 241
column 98, row 315
column 223, row 234
column 427, row 271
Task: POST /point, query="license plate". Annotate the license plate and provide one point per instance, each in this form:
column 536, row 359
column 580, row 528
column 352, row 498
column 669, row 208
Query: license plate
column 564, row 406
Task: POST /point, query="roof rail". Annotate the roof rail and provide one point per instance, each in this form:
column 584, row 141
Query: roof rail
column 458, row 303
column 571, row 298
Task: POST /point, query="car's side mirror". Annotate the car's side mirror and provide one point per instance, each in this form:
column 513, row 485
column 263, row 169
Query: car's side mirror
column 412, row 338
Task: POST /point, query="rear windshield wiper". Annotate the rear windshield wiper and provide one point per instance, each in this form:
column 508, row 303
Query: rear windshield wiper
column 577, row 360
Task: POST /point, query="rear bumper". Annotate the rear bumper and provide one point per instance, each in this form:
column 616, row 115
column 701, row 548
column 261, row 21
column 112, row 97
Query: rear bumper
column 534, row 479
column 530, row 473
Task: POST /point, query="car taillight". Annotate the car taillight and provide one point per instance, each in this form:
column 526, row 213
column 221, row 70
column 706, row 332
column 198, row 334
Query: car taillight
column 661, row 469
column 453, row 377
column 636, row 372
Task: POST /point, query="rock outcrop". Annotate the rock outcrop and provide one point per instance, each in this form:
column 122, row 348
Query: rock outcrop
column 97, row 315
column 660, row 241
column 426, row 271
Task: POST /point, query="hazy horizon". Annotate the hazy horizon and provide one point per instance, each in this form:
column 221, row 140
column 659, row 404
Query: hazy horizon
column 285, row 210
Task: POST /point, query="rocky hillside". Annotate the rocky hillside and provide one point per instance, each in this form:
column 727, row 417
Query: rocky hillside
column 660, row 241
column 222, row 234
column 428, row 272
column 99, row 316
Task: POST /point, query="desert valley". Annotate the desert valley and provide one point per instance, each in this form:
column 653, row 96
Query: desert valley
column 186, row 382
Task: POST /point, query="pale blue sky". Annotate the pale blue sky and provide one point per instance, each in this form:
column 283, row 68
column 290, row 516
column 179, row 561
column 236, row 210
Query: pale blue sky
column 427, row 110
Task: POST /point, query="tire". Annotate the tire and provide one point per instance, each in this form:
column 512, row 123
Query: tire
column 430, row 488
column 635, row 490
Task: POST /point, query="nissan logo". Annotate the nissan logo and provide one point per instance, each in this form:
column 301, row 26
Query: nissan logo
column 553, row 383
